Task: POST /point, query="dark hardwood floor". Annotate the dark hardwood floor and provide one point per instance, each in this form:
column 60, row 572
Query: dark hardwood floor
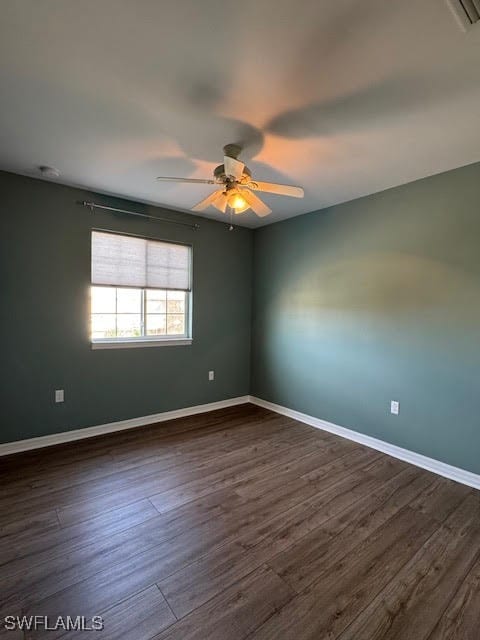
column 237, row 524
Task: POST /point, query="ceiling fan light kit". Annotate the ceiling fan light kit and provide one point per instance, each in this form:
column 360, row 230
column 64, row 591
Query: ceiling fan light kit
column 237, row 187
column 237, row 202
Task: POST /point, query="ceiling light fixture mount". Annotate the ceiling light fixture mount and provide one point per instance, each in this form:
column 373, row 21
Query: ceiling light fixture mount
column 48, row 172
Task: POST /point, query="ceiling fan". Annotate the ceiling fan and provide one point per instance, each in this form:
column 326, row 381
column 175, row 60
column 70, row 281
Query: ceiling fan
column 237, row 186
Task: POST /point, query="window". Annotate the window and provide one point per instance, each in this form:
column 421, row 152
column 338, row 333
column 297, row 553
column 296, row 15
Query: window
column 140, row 294
column 119, row 312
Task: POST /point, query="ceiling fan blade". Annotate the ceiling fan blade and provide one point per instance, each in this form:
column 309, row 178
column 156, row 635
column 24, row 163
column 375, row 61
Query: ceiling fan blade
column 192, row 180
column 233, row 167
column 220, row 202
column 256, row 205
column 206, row 202
column 279, row 189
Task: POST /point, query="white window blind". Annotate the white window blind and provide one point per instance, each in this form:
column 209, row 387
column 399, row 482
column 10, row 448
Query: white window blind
column 127, row 261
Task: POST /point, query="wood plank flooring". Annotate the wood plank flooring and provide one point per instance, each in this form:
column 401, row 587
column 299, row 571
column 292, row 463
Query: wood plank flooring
column 233, row 525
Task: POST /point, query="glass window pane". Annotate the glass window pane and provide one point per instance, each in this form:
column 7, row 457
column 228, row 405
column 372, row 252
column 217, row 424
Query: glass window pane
column 129, row 325
column 156, row 301
column 175, row 324
column 156, row 324
column 175, row 301
column 129, row 300
column 103, row 299
column 164, row 312
column 103, row 325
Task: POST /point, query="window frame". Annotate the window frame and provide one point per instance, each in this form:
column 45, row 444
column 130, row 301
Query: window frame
column 158, row 340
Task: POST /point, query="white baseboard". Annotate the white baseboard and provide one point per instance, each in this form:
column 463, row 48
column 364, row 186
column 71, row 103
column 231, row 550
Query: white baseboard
column 440, row 468
column 89, row 432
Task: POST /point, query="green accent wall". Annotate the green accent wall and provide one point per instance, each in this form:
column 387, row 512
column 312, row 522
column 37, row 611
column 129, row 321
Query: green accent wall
column 376, row 300
column 45, row 279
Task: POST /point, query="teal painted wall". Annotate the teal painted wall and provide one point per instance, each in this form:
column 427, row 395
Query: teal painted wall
column 45, row 276
column 353, row 306
column 378, row 300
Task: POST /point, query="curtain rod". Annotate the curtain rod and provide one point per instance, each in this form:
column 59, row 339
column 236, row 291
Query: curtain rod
column 94, row 205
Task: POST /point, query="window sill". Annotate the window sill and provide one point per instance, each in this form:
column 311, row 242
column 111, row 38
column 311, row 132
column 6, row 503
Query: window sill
column 132, row 344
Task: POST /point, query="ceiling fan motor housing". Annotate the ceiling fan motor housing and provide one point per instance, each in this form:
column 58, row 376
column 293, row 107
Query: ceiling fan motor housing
column 220, row 175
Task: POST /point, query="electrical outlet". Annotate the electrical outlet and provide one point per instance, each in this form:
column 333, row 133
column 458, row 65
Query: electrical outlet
column 395, row 407
column 211, row 375
column 59, row 395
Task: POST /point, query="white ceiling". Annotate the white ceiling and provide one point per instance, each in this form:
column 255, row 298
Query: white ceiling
column 342, row 97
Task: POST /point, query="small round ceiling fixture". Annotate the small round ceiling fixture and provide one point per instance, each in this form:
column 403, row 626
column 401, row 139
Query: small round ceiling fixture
column 49, row 172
